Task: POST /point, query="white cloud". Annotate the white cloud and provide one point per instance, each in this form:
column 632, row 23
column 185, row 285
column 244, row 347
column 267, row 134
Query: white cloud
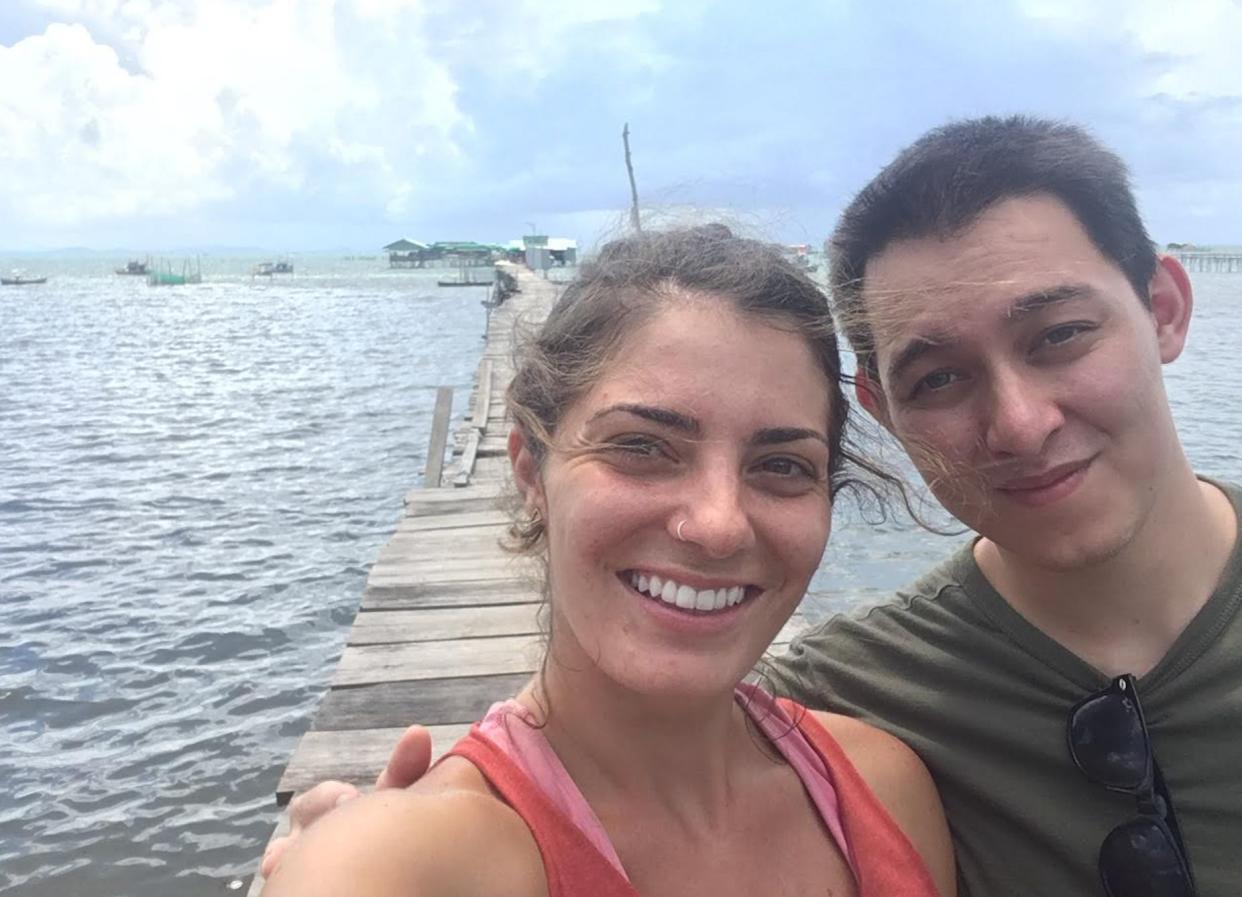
column 1196, row 40
column 182, row 104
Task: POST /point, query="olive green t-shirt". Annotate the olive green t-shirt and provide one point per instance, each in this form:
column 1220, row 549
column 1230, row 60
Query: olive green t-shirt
column 983, row 697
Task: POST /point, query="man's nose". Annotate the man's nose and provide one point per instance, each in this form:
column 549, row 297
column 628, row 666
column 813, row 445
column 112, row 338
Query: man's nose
column 1020, row 415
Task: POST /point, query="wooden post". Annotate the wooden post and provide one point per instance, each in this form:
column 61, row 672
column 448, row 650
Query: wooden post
column 439, row 436
column 629, row 167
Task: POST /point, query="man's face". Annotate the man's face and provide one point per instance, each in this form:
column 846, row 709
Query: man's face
column 1022, row 373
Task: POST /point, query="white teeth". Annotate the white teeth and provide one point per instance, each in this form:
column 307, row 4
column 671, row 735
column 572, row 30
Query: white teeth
column 687, row 597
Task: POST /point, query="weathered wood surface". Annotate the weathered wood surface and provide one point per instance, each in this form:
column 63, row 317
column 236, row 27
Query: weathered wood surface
column 439, row 436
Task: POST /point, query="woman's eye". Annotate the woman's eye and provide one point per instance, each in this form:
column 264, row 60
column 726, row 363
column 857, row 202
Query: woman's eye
column 639, row 446
column 787, row 467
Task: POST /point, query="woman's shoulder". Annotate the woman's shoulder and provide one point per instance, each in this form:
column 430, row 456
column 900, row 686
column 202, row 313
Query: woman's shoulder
column 424, row 840
column 881, row 759
column 901, row 782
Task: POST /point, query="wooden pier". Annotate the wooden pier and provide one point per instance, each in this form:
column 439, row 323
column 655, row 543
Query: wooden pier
column 447, row 623
column 1209, row 261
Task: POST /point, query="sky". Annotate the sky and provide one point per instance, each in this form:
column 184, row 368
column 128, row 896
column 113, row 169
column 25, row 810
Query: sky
column 332, row 124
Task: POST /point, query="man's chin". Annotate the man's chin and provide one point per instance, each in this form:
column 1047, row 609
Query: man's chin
column 1062, row 551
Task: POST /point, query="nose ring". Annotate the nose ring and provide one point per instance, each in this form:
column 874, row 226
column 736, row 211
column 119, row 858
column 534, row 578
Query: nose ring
column 680, row 537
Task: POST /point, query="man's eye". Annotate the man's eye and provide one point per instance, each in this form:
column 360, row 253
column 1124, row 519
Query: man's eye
column 1064, row 333
column 936, row 381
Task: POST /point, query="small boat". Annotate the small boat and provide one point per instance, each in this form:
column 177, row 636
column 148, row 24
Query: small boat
column 18, row 279
column 136, row 268
column 800, row 255
column 267, row 269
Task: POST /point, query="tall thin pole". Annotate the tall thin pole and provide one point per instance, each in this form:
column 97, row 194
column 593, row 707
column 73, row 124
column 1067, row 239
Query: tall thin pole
column 629, row 167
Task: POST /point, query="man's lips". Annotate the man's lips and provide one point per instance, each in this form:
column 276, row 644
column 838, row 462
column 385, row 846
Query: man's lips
column 1043, row 480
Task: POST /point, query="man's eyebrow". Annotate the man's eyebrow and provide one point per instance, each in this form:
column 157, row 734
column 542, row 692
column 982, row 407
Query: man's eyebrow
column 778, row 435
column 668, row 418
column 1032, row 302
column 912, row 352
column 1023, row 305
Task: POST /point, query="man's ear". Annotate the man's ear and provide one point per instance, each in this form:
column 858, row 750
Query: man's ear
column 871, row 396
column 1172, row 301
column 526, row 471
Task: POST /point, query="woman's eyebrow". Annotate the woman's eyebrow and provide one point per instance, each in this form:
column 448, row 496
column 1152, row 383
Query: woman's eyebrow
column 778, row 435
column 665, row 416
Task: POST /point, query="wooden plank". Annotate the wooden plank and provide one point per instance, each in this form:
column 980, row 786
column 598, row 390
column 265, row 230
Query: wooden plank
column 438, row 624
column 432, row 499
column 418, row 596
column 466, row 466
column 365, row 664
column 352, row 755
column 461, row 699
column 452, row 521
column 439, row 435
column 480, row 579
column 450, row 569
column 482, row 395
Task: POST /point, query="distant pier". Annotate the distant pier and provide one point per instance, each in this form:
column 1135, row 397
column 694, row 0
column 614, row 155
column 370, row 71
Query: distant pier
column 1205, row 261
column 447, row 623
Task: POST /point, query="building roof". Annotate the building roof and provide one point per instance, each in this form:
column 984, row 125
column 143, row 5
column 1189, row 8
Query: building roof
column 461, row 246
column 405, row 245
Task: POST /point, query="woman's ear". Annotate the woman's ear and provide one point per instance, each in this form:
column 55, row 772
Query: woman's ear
column 526, row 471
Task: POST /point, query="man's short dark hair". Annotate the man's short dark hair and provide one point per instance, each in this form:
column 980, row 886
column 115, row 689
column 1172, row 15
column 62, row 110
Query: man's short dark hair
column 939, row 185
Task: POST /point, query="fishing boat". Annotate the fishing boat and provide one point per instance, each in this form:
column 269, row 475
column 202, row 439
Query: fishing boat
column 18, row 279
column 267, row 269
column 136, row 268
column 800, row 255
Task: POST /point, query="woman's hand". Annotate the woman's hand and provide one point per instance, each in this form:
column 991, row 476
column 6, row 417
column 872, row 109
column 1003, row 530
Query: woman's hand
column 408, row 762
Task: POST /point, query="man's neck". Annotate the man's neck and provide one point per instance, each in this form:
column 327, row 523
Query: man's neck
column 1122, row 615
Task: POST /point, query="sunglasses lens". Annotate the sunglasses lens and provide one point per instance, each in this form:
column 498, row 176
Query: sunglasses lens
column 1139, row 859
column 1108, row 742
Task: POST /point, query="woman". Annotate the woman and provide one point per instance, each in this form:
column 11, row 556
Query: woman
column 677, row 447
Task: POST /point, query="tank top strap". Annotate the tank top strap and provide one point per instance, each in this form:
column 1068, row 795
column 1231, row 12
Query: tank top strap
column 572, row 864
column 513, row 728
column 885, row 863
column 781, row 726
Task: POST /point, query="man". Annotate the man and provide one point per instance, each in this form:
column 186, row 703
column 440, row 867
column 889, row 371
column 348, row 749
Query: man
column 1011, row 318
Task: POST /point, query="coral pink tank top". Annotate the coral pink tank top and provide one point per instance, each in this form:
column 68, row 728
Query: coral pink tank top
column 578, row 857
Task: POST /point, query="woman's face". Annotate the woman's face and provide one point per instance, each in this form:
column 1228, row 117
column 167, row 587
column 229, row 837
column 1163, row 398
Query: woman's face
column 710, row 421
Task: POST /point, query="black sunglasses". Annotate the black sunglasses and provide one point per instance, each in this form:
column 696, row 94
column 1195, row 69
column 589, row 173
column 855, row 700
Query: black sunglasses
column 1108, row 741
